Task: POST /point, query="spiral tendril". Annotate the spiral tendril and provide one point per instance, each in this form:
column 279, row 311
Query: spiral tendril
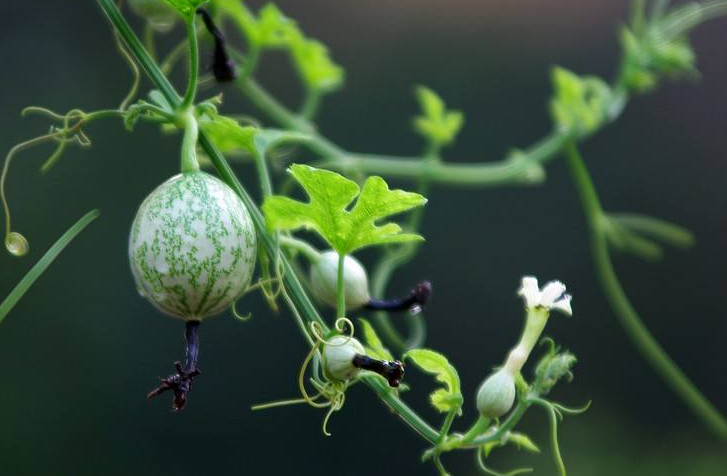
column 16, row 244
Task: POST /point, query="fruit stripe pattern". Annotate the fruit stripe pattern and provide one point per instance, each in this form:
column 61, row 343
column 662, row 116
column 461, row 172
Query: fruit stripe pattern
column 192, row 246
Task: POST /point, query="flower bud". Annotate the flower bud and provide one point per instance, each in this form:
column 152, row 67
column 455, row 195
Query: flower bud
column 324, row 279
column 338, row 357
column 496, row 394
column 552, row 368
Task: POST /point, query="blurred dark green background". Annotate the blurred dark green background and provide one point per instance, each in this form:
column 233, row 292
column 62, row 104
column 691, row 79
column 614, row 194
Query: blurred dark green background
column 80, row 351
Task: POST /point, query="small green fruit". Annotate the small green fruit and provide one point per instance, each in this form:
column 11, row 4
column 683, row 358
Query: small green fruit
column 338, row 357
column 496, row 394
column 324, row 279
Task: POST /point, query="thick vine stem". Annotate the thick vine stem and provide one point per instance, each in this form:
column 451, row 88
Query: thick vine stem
column 622, row 307
column 397, row 257
column 193, row 63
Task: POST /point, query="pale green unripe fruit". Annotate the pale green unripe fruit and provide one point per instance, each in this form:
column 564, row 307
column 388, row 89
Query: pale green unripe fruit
column 338, row 355
column 324, row 279
column 496, row 394
column 158, row 12
column 192, row 247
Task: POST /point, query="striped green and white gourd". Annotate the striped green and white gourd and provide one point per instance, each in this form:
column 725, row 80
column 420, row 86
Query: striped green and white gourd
column 192, row 247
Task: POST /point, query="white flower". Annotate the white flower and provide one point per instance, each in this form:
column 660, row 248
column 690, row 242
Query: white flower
column 552, row 296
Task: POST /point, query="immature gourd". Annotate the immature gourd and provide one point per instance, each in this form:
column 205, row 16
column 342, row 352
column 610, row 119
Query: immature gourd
column 192, row 247
column 496, row 395
column 339, row 354
column 344, row 357
column 324, row 279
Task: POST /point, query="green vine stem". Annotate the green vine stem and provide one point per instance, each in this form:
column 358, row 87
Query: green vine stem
column 341, row 287
column 622, row 307
column 475, row 174
column 310, row 253
column 483, row 174
column 389, row 262
column 189, row 142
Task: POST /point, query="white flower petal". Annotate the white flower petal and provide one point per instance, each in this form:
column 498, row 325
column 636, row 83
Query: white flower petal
column 530, row 291
column 563, row 305
column 552, row 291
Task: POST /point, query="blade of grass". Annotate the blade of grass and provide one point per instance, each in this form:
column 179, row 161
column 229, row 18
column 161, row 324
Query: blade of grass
column 40, row 267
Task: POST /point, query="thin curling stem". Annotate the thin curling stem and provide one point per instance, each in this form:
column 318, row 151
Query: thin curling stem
column 15, row 242
column 414, row 302
column 624, row 310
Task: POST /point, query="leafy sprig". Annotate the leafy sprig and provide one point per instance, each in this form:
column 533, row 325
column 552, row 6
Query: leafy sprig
column 345, row 227
column 448, row 398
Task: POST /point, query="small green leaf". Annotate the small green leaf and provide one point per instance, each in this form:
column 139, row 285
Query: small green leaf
column 271, row 29
column 579, row 103
column 523, row 442
column 39, row 268
column 185, row 7
column 232, row 138
column 444, row 399
column 658, row 47
column 227, row 134
column 329, row 212
column 374, row 347
column 437, row 124
column 314, row 64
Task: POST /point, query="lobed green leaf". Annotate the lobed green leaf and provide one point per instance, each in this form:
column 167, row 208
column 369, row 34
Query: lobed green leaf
column 444, row 399
column 579, row 103
column 329, row 212
column 227, row 134
column 437, row 124
column 271, row 29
